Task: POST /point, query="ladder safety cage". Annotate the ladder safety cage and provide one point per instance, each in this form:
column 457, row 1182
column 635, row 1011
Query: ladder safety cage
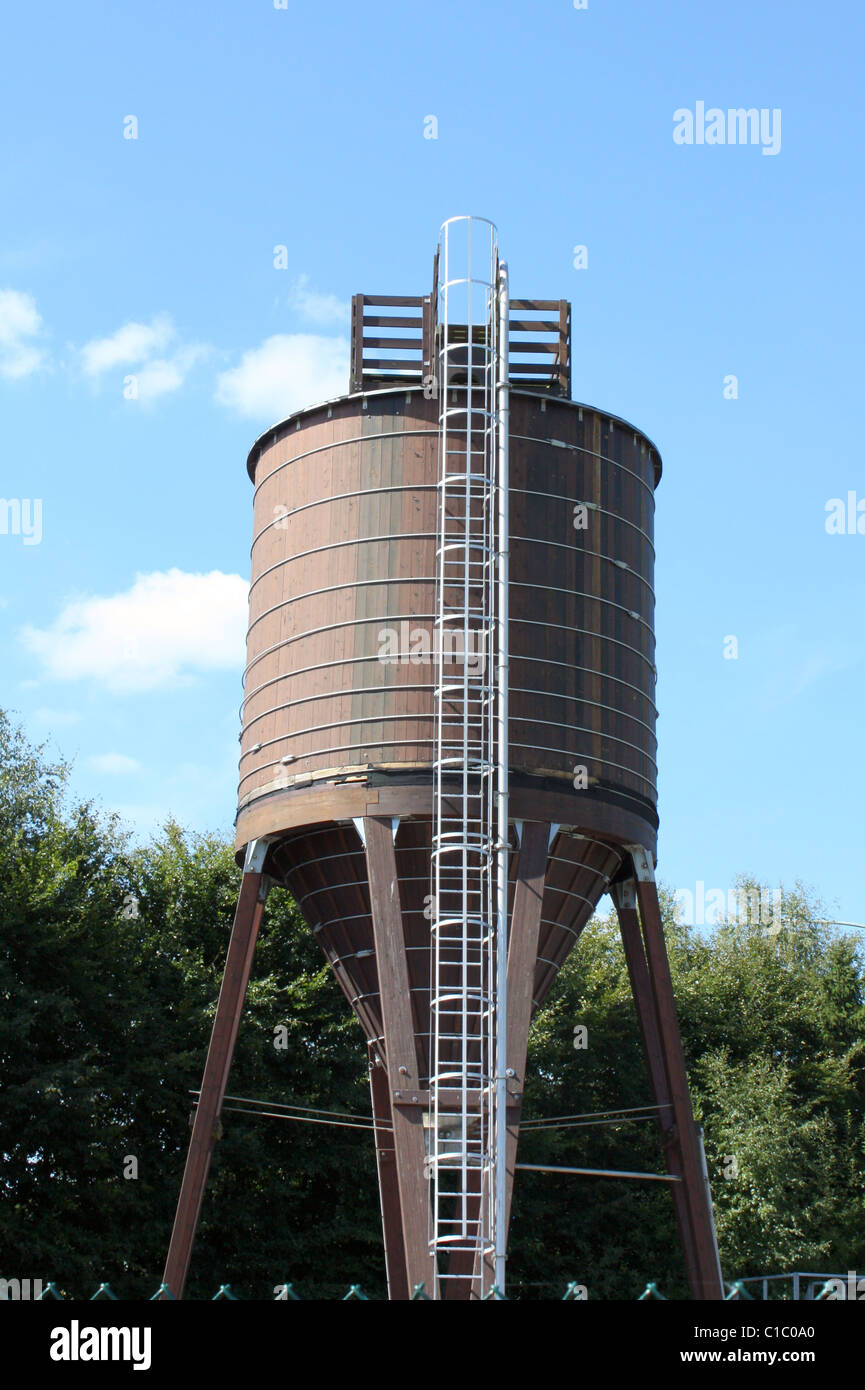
column 466, row 775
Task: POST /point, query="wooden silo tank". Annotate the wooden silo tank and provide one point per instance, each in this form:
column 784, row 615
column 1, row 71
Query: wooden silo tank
column 336, row 763
column 338, row 717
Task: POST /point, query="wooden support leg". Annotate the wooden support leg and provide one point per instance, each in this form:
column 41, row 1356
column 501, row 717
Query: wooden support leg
column 400, row 1050
column 241, row 946
column 710, row 1284
column 624, row 896
column 522, row 959
column 388, row 1186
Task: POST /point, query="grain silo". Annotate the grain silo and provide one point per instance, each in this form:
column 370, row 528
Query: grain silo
column 448, row 744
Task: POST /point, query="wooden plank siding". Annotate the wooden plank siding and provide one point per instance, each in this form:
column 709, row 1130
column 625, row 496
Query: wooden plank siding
column 344, row 546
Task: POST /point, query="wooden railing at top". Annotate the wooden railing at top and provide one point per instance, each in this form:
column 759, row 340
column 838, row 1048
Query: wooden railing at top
column 550, row 339
column 373, row 363
column 538, row 362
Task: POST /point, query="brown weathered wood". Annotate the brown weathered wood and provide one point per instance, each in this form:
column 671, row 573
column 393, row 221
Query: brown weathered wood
column 356, row 337
column 303, row 806
column 220, row 1053
column 395, row 301
column 400, row 1049
column 625, row 899
column 539, row 304
column 446, row 1098
column 412, row 343
column 532, row 345
column 428, row 339
column 710, row 1283
column 393, row 364
column 390, row 321
column 522, row 959
column 319, row 805
column 565, row 348
column 388, row 1184
column 349, row 559
column 364, row 1015
column 532, row 326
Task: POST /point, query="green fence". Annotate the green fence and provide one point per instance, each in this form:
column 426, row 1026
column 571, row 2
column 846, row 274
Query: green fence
column 287, row 1293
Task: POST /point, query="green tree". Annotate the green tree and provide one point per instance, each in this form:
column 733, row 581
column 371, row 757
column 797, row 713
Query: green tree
column 772, row 1018
column 110, row 966
column 286, row 1200
column 64, row 982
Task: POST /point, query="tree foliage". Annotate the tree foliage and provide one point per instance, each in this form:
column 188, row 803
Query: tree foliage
column 772, row 1027
column 104, row 1026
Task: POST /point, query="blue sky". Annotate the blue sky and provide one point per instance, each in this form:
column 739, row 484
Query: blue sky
column 153, row 258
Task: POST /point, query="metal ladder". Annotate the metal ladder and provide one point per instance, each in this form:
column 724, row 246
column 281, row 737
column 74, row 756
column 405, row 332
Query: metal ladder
column 462, row 1130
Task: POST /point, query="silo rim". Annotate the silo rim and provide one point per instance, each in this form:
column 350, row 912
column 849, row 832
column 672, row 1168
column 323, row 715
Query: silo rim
column 255, row 452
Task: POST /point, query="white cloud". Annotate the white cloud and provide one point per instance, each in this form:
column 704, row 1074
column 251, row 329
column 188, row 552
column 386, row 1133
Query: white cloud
column 114, row 764
column 134, row 342
column 139, row 345
column 20, row 323
column 286, row 373
column 168, row 625
column 163, row 375
column 318, row 308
